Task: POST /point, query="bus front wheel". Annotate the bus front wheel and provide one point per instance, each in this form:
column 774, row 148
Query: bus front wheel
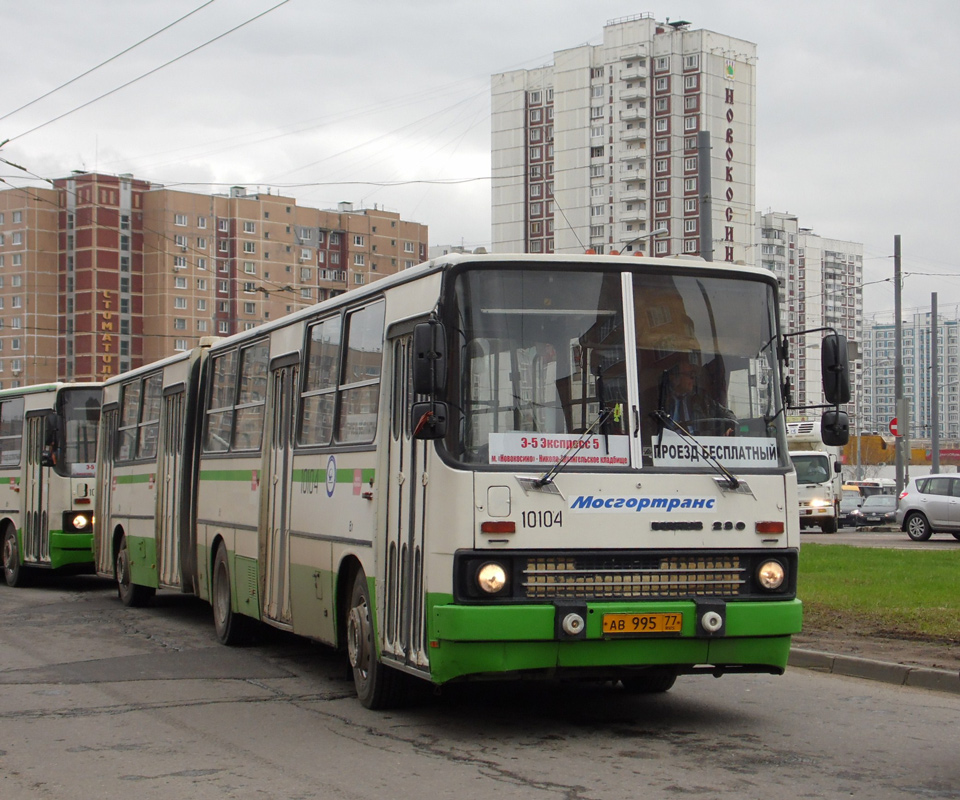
column 232, row 629
column 13, row 571
column 652, row 681
column 131, row 594
column 378, row 686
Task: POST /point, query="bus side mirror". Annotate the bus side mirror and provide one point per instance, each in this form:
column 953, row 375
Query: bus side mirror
column 429, row 420
column 835, row 428
column 429, row 358
column 834, row 369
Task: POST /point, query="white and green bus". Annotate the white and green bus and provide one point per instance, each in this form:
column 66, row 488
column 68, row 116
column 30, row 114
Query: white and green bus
column 144, row 534
column 48, row 449
column 470, row 470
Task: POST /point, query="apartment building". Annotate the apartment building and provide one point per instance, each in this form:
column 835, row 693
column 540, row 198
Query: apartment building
column 878, row 403
column 821, row 282
column 113, row 271
column 599, row 149
column 29, row 285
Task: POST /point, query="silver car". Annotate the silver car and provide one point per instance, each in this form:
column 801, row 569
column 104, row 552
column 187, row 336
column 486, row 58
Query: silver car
column 929, row 505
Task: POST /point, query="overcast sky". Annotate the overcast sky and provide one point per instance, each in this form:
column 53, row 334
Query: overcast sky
column 388, row 102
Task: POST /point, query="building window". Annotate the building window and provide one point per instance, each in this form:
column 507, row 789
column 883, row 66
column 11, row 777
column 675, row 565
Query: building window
column 662, row 84
column 536, row 153
column 249, row 227
column 179, row 324
column 663, row 165
column 597, row 211
column 180, row 344
column 179, row 262
column 180, row 219
column 223, row 326
column 690, row 123
column 222, row 287
column 536, row 190
column 250, row 267
column 596, row 112
column 223, row 225
column 662, row 206
column 249, row 308
column 359, row 260
column 596, row 72
column 689, row 245
column 661, row 63
column 690, row 185
column 690, row 226
column 662, row 125
column 249, row 247
column 596, row 231
column 690, row 205
column 533, row 98
column 358, row 240
column 180, row 302
column 596, row 152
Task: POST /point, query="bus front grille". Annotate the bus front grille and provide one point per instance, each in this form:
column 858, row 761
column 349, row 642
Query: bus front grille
column 623, row 579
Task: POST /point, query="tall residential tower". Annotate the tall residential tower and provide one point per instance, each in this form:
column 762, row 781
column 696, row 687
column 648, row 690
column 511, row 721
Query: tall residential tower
column 600, row 148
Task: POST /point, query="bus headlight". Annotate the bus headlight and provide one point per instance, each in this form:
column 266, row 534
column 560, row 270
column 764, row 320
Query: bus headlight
column 491, row 577
column 77, row 521
column 771, row 575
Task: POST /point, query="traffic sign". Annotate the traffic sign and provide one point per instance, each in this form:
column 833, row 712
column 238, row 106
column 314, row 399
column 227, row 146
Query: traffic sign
column 893, row 426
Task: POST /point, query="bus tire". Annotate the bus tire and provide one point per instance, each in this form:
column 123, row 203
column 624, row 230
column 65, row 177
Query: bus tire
column 917, row 527
column 652, row 681
column 378, row 686
column 829, row 525
column 13, row 571
column 232, row 629
column 132, row 595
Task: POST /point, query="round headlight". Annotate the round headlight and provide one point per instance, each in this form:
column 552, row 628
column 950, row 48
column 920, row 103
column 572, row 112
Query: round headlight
column 491, row 577
column 80, row 521
column 771, row 575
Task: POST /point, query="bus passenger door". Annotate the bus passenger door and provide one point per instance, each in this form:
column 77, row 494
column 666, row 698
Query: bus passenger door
column 102, row 528
column 402, row 620
column 169, row 465
column 36, row 531
column 278, row 467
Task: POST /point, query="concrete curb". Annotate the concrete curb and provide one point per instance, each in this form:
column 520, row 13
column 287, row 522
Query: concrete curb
column 940, row 680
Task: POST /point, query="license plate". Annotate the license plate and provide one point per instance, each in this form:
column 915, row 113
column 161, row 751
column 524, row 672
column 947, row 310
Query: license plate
column 633, row 624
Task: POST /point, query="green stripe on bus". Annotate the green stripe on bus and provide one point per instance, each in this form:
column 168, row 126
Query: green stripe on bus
column 319, row 475
column 227, row 474
column 130, row 479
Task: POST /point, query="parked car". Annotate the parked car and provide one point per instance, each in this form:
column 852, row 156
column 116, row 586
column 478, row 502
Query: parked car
column 850, row 501
column 929, row 505
column 881, row 509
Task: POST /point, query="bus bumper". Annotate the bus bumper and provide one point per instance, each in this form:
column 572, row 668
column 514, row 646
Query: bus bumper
column 68, row 549
column 492, row 640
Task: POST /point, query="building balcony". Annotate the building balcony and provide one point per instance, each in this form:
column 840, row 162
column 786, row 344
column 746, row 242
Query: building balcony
column 636, row 214
column 631, row 52
column 628, row 114
column 632, row 134
column 638, row 154
column 637, row 173
column 633, row 93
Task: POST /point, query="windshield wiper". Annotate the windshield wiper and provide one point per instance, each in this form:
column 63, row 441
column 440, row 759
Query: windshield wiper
column 575, row 448
column 666, row 420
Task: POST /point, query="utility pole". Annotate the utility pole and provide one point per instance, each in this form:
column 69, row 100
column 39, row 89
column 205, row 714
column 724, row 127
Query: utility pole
column 934, row 386
column 902, row 421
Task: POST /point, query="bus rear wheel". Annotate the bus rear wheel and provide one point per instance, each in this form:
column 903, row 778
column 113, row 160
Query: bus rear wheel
column 131, row 594
column 13, row 571
column 232, row 629
column 377, row 685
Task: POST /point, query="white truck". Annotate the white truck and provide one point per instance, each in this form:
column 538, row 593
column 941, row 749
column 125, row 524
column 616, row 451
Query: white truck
column 819, row 480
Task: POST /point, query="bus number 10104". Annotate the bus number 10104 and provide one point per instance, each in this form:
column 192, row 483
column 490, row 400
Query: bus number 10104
column 542, row 519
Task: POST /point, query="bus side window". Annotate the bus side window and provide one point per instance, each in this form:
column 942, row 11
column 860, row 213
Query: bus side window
column 51, row 445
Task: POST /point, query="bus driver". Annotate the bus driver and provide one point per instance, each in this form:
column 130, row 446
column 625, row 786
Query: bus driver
column 685, row 401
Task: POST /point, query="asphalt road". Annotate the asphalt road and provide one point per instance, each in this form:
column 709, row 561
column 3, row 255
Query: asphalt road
column 99, row 701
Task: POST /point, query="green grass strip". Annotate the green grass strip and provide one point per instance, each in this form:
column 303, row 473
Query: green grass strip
column 909, row 593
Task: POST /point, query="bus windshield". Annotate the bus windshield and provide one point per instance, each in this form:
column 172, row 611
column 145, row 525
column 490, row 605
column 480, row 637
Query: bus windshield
column 541, row 357
column 80, row 412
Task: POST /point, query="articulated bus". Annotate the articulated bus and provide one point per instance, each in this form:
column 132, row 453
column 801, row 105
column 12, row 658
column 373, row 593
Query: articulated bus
column 48, row 450
column 470, row 470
